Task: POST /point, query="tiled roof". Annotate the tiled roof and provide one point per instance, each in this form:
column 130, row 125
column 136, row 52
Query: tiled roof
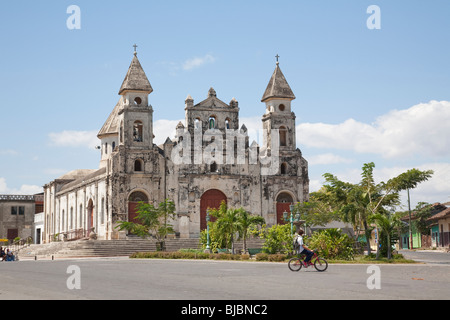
column 441, row 215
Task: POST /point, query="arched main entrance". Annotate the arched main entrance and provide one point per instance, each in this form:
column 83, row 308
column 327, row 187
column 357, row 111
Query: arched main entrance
column 284, row 200
column 133, row 201
column 210, row 199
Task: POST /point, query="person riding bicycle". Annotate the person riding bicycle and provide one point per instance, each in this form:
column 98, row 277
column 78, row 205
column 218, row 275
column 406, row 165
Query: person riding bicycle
column 302, row 249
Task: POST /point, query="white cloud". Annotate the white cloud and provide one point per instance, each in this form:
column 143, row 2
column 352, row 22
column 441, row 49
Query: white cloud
column 23, row 190
column 163, row 129
column 421, row 129
column 8, row 152
column 327, row 158
column 436, row 189
column 3, row 186
column 69, row 138
column 197, row 62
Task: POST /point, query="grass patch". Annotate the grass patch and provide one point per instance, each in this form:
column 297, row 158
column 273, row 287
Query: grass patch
column 364, row 259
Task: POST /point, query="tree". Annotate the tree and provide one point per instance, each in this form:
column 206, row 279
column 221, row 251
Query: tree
column 421, row 214
column 226, row 222
column 356, row 203
column 151, row 221
column 277, row 238
column 244, row 222
column 387, row 224
column 316, row 211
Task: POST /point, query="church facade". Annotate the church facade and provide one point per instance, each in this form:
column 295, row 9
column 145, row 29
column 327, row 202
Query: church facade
column 209, row 161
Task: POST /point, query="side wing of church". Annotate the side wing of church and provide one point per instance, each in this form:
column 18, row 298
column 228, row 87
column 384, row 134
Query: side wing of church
column 209, row 161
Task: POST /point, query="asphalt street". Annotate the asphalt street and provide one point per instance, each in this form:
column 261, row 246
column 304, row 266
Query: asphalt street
column 427, row 256
column 124, row 279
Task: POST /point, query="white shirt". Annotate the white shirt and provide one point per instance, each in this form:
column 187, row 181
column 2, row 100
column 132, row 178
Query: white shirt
column 300, row 243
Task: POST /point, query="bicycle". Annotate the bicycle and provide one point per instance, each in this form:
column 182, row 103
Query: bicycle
column 295, row 264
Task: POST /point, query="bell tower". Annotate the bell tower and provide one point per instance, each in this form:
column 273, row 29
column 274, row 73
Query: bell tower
column 278, row 97
column 135, row 116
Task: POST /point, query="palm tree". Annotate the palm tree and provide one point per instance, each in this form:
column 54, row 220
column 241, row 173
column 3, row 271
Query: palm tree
column 387, row 224
column 245, row 221
column 226, row 222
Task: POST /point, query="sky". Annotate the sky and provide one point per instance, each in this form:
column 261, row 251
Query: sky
column 364, row 94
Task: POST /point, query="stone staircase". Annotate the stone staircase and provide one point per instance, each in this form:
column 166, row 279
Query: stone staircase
column 111, row 248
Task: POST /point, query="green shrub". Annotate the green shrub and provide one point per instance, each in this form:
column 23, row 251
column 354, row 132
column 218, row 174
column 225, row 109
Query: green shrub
column 277, row 257
column 223, row 256
column 277, row 239
column 202, row 255
column 262, row 257
column 332, row 244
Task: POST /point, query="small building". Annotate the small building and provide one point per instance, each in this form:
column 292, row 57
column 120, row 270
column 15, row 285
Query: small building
column 17, row 213
column 440, row 227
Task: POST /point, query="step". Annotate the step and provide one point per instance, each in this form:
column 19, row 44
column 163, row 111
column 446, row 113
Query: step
column 104, row 248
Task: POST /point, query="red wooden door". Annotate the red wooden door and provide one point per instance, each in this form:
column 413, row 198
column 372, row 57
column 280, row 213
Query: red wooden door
column 133, row 202
column 210, row 199
column 132, row 214
column 282, row 207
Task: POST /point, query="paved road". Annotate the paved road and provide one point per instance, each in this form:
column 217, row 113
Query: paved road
column 114, row 279
column 427, row 256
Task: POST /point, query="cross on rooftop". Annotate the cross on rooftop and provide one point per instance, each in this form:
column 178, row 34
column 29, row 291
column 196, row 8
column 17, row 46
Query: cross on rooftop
column 277, row 56
column 135, row 46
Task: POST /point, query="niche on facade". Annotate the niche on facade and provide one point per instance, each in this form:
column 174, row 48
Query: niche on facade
column 138, row 165
column 138, row 129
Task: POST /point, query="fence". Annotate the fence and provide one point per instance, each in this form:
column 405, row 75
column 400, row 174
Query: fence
column 71, row 235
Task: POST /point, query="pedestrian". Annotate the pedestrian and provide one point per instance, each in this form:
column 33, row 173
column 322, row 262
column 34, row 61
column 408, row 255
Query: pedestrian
column 9, row 255
column 302, row 249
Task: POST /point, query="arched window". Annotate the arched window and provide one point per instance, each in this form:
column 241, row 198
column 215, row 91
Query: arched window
column 62, row 221
column 121, row 132
column 102, row 213
column 227, row 123
column 70, row 218
column 137, row 101
column 138, row 196
column 113, row 145
column 138, row 165
column 137, row 131
column 80, row 215
column 283, row 134
column 197, row 124
column 281, row 107
column 284, row 168
column 212, row 122
column 213, row 167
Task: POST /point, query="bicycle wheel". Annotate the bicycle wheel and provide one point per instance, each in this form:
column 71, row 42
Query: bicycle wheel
column 321, row 264
column 295, row 264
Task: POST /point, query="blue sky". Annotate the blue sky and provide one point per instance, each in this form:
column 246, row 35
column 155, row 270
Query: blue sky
column 362, row 95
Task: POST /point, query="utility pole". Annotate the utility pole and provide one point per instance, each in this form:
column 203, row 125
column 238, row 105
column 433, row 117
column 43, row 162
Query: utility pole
column 410, row 229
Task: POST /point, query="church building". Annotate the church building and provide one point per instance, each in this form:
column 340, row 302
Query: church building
column 210, row 160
